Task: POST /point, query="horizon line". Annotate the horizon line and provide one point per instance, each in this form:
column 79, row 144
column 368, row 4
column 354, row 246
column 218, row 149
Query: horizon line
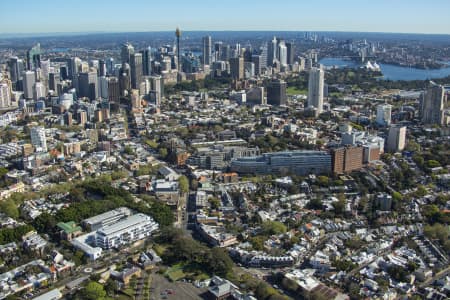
column 62, row 33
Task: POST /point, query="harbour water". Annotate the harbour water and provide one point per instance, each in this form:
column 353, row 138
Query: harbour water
column 391, row 72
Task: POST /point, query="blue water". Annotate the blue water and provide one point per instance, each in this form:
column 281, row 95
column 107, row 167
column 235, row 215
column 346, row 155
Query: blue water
column 391, row 72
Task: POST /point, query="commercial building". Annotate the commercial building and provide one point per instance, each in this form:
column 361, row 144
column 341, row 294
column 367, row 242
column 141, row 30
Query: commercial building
column 396, row 140
column 136, row 70
column 276, row 93
column 315, row 89
column 237, row 67
column 296, row 162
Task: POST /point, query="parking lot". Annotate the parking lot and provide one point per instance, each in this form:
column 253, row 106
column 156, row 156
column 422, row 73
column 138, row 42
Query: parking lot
column 162, row 288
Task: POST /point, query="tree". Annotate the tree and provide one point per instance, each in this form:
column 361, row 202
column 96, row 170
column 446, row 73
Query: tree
column 315, row 203
column 264, row 291
column 184, row 184
column 220, row 261
column 163, row 152
column 323, row 181
column 9, row 208
column 273, row 227
column 214, row 202
column 128, row 150
column 94, row 291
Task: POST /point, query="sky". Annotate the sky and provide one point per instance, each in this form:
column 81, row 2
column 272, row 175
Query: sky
column 50, row 16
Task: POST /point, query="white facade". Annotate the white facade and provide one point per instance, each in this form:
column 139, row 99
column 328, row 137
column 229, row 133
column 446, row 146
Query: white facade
column 29, row 78
column 384, row 112
column 315, row 89
column 396, row 139
column 39, row 91
column 5, row 96
column 125, row 231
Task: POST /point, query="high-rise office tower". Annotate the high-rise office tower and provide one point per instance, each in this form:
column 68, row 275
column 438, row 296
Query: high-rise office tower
column 206, row 53
column 384, row 114
column 315, row 89
column 88, row 84
column 276, row 92
column 125, row 52
column 136, row 70
column 110, row 66
column 249, row 69
column 258, row 61
column 102, row 68
column 290, row 53
column 272, row 51
column 264, row 55
column 103, row 87
column 16, row 68
column 396, row 138
column 217, row 51
column 237, row 67
column 74, row 69
column 29, row 78
column 38, row 138
column 282, row 53
column 147, row 61
column 113, row 90
column 53, row 80
column 5, row 95
column 34, row 57
column 39, row 91
column 124, row 78
column 433, row 104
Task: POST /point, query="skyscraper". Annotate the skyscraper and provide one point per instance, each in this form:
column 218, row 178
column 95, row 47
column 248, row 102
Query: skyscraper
column 29, row 78
column 315, row 89
column 282, row 53
column 433, row 103
column 396, row 140
column 290, row 53
column 101, row 68
column 178, row 36
column 16, row 68
column 124, row 79
column 113, row 90
column 258, row 61
column 237, row 67
column 34, row 57
column 88, row 84
column 276, row 92
column 384, row 114
column 38, row 138
column 207, row 47
column 54, row 79
column 136, row 70
column 39, row 91
column 147, row 61
column 272, row 51
column 125, row 52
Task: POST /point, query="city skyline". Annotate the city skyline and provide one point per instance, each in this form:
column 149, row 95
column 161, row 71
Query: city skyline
column 325, row 15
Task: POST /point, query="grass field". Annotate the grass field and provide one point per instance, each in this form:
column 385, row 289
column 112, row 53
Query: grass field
column 175, row 272
column 189, row 271
column 294, row 91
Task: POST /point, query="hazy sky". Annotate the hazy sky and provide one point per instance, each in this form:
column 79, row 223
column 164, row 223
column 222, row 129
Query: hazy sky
column 39, row 16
